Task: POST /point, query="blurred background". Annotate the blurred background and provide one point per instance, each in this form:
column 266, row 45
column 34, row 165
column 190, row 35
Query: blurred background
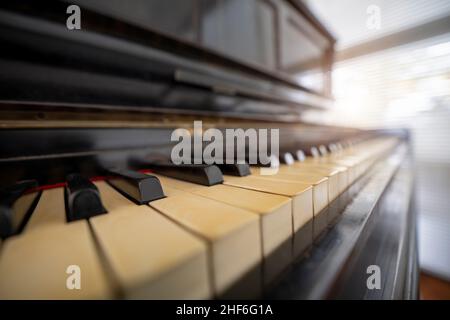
column 395, row 72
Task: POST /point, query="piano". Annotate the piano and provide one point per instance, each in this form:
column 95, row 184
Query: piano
column 93, row 207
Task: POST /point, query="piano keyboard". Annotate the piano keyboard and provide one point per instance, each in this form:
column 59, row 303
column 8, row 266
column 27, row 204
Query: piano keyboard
column 187, row 241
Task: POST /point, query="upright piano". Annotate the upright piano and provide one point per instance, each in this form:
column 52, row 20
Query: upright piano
column 93, row 207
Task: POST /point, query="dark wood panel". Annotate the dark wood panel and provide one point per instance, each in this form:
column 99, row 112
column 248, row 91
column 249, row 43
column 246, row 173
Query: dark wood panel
column 177, row 18
column 244, row 30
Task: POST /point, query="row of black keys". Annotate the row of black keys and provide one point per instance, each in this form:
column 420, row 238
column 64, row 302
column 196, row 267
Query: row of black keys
column 82, row 197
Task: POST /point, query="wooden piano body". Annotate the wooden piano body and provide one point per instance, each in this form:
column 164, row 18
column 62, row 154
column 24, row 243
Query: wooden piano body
column 108, row 97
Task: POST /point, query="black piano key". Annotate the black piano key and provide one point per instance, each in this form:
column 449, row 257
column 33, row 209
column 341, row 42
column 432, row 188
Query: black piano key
column 300, row 155
column 332, row 147
column 16, row 205
column 314, row 152
column 323, row 150
column 287, row 158
column 308, row 149
column 240, row 170
column 141, row 187
column 82, row 198
column 274, row 162
column 203, row 174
